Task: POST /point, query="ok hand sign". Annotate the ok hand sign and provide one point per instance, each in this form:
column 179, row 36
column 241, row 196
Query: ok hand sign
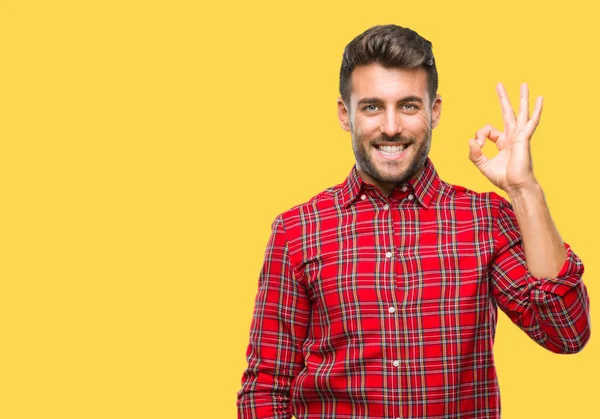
column 511, row 169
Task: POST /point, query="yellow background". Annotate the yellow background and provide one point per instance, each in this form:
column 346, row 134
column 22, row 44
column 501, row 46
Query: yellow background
column 146, row 147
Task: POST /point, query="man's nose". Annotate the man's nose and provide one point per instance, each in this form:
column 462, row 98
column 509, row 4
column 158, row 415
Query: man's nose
column 391, row 124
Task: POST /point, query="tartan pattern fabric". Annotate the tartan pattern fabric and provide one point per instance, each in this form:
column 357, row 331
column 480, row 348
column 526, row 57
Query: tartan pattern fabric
column 375, row 307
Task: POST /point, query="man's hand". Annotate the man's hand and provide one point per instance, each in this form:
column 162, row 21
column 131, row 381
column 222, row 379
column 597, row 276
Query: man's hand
column 511, row 169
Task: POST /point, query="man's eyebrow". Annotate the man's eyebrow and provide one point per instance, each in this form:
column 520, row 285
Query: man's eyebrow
column 369, row 100
column 412, row 99
column 374, row 100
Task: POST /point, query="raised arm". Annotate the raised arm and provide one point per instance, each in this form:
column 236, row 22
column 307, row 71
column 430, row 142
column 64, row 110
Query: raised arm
column 552, row 309
column 536, row 277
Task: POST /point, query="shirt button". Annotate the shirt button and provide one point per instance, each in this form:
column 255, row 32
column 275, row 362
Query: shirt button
column 410, row 197
column 396, row 363
column 388, row 254
column 363, row 197
column 392, row 309
column 386, row 207
column 404, row 188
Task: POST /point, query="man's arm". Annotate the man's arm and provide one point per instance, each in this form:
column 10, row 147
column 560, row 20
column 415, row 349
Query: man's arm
column 551, row 305
column 544, row 249
column 536, row 278
column 277, row 333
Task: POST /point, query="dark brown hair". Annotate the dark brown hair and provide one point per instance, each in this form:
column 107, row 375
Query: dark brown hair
column 391, row 46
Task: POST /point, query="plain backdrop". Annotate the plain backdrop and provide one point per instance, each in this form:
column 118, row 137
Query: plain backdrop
column 146, row 147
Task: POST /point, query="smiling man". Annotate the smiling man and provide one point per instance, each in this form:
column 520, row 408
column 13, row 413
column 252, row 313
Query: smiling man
column 378, row 297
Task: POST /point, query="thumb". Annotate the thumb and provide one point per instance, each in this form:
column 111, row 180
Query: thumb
column 476, row 154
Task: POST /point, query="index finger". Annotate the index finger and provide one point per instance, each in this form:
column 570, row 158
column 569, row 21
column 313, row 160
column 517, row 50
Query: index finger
column 508, row 115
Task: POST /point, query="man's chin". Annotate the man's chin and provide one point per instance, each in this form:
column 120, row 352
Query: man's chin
column 398, row 176
column 392, row 178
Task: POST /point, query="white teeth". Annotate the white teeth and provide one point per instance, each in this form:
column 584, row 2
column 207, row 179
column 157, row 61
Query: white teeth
column 391, row 150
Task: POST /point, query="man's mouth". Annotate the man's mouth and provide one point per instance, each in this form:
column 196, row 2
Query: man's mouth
column 390, row 150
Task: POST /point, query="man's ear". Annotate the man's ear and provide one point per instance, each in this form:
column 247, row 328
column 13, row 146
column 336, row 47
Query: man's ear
column 436, row 111
column 343, row 115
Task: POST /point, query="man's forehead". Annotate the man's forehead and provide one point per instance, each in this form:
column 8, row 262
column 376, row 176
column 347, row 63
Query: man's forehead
column 374, row 80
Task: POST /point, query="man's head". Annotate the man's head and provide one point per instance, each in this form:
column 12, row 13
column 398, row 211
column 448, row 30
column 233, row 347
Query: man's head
column 388, row 85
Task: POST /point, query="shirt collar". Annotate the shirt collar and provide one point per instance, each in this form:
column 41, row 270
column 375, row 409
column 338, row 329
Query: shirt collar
column 424, row 187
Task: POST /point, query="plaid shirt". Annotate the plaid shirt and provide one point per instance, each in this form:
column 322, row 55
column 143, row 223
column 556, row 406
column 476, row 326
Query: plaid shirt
column 375, row 307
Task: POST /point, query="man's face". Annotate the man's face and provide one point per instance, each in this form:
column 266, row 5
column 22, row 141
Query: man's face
column 390, row 118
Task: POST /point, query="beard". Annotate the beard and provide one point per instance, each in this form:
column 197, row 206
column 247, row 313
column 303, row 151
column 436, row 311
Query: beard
column 391, row 176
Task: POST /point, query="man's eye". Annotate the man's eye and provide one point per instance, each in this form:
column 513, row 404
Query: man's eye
column 371, row 108
column 409, row 107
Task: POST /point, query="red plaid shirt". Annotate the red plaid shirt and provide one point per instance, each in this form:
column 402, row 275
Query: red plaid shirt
column 375, row 307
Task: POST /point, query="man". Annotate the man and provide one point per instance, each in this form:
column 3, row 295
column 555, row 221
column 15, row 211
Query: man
column 378, row 297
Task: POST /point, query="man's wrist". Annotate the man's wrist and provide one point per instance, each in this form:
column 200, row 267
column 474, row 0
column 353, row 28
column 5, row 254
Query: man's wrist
column 527, row 190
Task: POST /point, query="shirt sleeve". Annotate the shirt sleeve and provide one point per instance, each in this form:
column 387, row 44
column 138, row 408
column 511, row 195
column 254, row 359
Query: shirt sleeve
column 278, row 330
column 554, row 312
